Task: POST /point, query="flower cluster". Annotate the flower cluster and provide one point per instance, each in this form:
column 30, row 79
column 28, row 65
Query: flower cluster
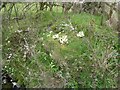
column 62, row 39
column 70, row 26
column 10, row 55
column 56, row 36
column 19, row 31
column 80, row 34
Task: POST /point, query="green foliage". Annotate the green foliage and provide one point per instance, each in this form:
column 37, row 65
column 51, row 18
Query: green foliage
column 86, row 62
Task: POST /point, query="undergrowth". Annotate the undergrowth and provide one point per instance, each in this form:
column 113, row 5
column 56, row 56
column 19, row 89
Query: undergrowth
column 86, row 62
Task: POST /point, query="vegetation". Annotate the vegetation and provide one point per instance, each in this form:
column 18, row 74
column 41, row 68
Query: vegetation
column 46, row 49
